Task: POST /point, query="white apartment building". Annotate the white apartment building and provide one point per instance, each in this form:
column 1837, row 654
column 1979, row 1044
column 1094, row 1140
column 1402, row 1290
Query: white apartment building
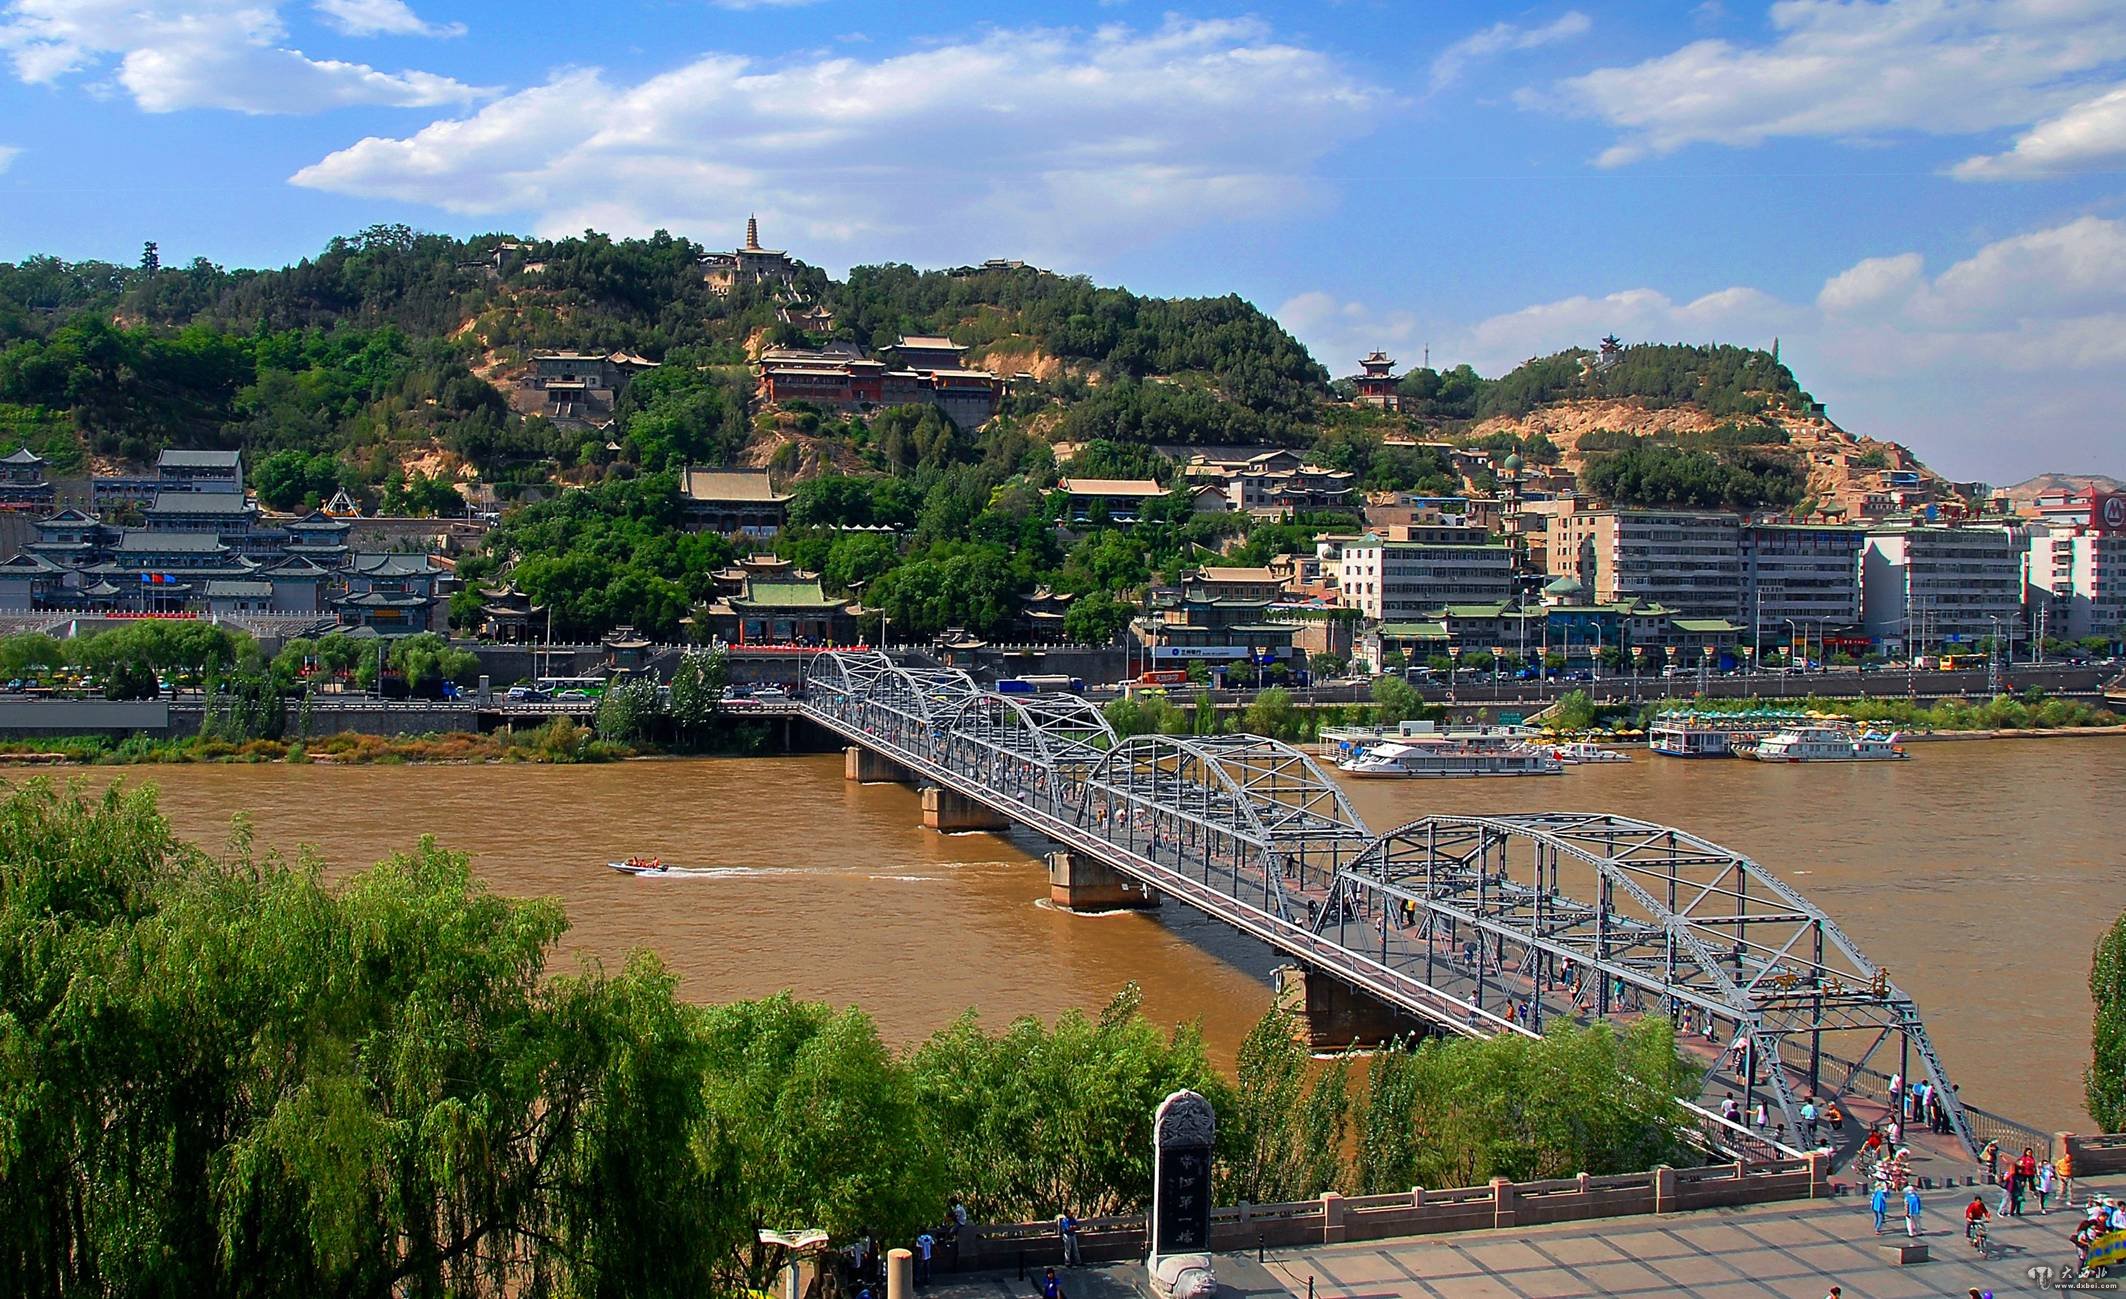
column 1685, row 560
column 1807, row 574
column 1924, row 588
column 1396, row 581
column 2077, row 581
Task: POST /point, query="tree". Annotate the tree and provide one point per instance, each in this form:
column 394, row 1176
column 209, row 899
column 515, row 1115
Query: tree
column 1397, row 700
column 828, row 1128
column 1282, row 1138
column 696, row 690
column 1096, row 618
column 1271, row 713
column 2105, row 1082
column 627, row 712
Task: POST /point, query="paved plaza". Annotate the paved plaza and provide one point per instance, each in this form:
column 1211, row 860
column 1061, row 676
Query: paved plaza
column 1777, row 1251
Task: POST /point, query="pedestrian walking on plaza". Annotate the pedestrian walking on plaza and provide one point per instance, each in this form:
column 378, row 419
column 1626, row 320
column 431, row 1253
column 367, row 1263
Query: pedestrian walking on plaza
column 2047, row 1182
column 1835, row 1115
column 1761, row 1116
column 1880, row 1203
column 1067, row 1229
column 1051, row 1288
column 1729, row 1110
column 1897, row 1091
column 1896, row 1134
column 2027, row 1164
column 924, row 1244
column 1911, row 1210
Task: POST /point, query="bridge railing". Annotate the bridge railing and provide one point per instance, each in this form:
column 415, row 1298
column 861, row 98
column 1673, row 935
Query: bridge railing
column 1332, row 1218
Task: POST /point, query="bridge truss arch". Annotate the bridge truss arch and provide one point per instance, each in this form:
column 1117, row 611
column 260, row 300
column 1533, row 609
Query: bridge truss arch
column 1477, row 924
column 1592, row 915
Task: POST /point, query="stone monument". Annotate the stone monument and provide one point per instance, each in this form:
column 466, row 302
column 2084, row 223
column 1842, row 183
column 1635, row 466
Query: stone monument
column 1182, row 1136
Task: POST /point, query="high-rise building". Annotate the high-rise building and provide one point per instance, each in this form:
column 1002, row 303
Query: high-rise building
column 2076, row 583
column 1397, row 580
column 1688, row 561
column 1799, row 573
column 1926, row 588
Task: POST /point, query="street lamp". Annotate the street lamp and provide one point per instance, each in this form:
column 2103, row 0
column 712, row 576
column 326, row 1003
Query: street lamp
column 1454, row 661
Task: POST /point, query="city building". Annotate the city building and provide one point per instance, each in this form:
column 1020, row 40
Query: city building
column 1376, row 382
column 2077, row 569
column 785, row 609
column 1799, row 580
column 734, row 501
column 1196, row 626
column 200, row 471
column 581, row 389
column 1228, row 583
column 1688, row 561
column 23, row 484
column 204, row 548
column 1401, row 579
column 509, row 616
column 1115, row 500
column 928, row 371
column 1925, row 588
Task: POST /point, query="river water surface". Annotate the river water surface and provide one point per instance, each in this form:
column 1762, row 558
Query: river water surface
column 1980, row 873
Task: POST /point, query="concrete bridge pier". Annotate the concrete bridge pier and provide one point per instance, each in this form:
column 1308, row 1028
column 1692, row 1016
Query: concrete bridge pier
column 945, row 809
column 1078, row 883
column 870, row 766
column 1333, row 1016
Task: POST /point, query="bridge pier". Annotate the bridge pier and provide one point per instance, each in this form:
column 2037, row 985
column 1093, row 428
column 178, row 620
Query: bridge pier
column 945, row 809
column 1078, row 883
column 870, row 766
column 1333, row 1015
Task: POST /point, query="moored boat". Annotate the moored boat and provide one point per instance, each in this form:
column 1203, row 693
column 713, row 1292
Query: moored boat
column 1582, row 751
column 1829, row 744
column 1422, row 757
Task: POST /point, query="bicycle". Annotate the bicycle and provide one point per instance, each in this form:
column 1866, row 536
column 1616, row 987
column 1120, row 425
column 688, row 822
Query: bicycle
column 1979, row 1239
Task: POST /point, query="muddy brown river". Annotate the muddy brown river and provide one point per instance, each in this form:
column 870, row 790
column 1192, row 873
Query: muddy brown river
column 1980, row 872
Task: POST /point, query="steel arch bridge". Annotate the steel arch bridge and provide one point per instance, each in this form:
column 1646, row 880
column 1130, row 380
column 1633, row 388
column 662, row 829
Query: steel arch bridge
column 1474, row 925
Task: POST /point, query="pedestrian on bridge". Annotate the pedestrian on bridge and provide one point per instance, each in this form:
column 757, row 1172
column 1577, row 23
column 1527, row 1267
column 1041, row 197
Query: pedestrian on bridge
column 2047, row 1183
column 1067, row 1229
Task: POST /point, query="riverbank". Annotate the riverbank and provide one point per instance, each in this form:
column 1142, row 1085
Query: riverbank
column 557, row 741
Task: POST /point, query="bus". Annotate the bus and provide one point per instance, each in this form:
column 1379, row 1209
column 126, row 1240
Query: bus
column 572, row 687
column 1041, row 685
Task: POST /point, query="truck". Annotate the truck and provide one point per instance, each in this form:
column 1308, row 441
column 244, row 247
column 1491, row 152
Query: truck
column 1164, row 677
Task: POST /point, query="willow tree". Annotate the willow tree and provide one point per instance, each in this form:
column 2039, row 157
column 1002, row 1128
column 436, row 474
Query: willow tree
column 2104, row 1083
column 217, row 1077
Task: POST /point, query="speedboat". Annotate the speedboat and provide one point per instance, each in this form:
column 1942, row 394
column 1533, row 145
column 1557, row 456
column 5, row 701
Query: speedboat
column 1829, row 744
column 1581, row 751
column 640, row 866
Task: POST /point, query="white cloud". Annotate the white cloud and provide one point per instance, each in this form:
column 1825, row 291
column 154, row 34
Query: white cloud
column 8, row 154
column 2003, row 364
column 1050, row 143
column 2089, row 135
column 1339, row 332
column 1841, row 69
column 382, row 18
column 177, row 54
column 1500, row 38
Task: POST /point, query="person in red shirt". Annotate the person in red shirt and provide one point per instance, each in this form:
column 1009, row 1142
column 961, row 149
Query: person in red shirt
column 1974, row 1214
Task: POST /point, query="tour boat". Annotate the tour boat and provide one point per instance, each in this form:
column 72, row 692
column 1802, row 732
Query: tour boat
column 1581, row 751
column 1829, row 744
column 640, row 866
column 1419, row 757
column 1690, row 734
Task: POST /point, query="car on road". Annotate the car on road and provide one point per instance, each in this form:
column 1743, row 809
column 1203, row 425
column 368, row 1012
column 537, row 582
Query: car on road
column 771, row 692
column 527, row 695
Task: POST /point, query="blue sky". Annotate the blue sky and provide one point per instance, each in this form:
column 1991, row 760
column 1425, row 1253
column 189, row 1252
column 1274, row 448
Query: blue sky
column 1923, row 200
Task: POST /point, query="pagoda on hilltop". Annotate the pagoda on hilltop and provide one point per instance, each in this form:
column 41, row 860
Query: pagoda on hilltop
column 751, row 264
column 1376, row 384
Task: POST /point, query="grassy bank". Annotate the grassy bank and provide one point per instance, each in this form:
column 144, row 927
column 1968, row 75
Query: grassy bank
column 2026, row 712
column 557, row 741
